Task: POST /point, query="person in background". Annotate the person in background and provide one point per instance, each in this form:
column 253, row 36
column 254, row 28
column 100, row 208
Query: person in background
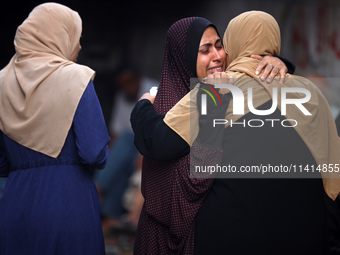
column 53, row 135
column 132, row 84
column 113, row 181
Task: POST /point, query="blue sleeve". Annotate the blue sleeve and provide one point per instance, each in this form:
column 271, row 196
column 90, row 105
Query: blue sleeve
column 4, row 163
column 90, row 130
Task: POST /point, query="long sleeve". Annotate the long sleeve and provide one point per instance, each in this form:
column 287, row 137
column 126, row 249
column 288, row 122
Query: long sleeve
column 153, row 138
column 90, row 130
column 290, row 65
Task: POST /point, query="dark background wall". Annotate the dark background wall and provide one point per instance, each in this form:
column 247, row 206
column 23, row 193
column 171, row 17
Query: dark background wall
column 115, row 32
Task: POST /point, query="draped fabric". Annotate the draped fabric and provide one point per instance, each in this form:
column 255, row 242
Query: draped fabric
column 41, row 87
column 172, row 198
column 317, row 130
column 257, row 32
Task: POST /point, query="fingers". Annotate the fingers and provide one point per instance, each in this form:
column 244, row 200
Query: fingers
column 222, row 75
column 217, row 78
column 274, row 63
column 283, row 73
column 262, row 65
column 281, row 66
column 272, row 74
column 220, row 78
column 148, row 97
column 267, row 71
column 258, row 57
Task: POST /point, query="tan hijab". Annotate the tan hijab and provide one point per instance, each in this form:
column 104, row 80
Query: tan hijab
column 256, row 32
column 41, row 87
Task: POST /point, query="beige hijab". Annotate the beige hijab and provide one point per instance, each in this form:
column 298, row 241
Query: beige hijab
column 256, row 32
column 41, row 87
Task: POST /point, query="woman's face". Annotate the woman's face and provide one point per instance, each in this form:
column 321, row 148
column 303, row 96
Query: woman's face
column 75, row 53
column 211, row 56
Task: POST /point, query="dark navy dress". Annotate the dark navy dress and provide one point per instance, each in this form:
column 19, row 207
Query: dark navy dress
column 51, row 206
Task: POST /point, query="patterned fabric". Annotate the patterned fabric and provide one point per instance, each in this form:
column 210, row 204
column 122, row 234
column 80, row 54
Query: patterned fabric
column 175, row 78
column 172, row 198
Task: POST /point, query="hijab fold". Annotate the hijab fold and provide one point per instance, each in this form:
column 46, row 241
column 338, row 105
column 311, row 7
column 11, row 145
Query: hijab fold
column 41, row 87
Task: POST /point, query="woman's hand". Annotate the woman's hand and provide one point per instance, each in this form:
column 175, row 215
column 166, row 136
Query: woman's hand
column 148, row 97
column 220, row 78
column 270, row 66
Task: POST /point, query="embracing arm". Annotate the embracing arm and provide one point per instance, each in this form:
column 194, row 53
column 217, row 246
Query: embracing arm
column 156, row 140
column 153, row 138
column 270, row 66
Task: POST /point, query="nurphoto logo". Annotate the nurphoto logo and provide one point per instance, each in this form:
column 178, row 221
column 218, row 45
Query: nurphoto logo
column 238, row 103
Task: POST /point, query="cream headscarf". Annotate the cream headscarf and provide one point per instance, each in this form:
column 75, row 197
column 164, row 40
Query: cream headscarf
column 257, row 32
column 41, row 87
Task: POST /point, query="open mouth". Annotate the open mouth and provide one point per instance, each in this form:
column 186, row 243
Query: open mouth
column 215, row 69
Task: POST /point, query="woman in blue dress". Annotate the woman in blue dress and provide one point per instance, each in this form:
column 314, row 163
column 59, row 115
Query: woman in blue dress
column 52, row 134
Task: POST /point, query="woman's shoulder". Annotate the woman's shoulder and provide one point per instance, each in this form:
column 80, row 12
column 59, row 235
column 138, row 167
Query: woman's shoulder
column 77, row 72
column 301, row 82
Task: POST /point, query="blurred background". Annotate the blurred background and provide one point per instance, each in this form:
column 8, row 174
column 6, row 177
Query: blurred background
column 132, row 33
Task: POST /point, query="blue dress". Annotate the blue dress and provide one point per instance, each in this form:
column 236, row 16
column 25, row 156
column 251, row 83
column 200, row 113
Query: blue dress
column 51, row 206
